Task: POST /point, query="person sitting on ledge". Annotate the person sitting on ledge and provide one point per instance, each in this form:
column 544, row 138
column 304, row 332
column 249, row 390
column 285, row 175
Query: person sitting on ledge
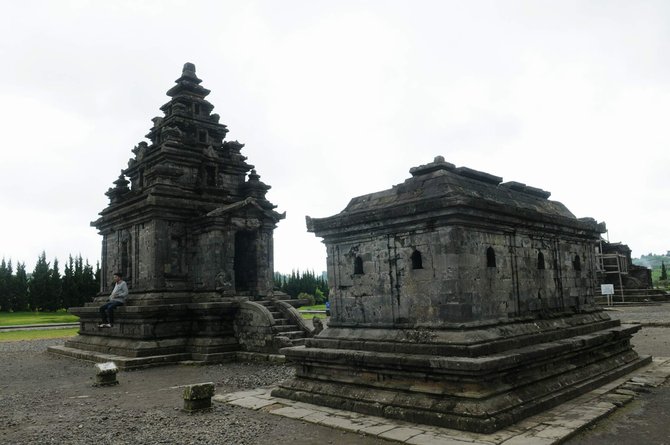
column 117, row 298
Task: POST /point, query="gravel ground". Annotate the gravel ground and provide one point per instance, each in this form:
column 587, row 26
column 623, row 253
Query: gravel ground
column 50, row 399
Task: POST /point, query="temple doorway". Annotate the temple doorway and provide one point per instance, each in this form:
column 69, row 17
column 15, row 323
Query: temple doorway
column 245, row 264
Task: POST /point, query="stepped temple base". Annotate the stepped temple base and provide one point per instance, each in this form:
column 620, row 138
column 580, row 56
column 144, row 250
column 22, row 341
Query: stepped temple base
column 477, row 378
column 161, row 329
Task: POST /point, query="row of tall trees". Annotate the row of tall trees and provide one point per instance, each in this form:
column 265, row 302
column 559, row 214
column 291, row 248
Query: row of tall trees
column 303, row 283
column 46, row 288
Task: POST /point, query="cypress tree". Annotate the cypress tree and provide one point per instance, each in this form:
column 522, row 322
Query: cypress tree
column 5, row 278
column 20, row 294
column 90, row 283
column 70, row 295
column 55, row 301
column 38, row 286
column 664, row 272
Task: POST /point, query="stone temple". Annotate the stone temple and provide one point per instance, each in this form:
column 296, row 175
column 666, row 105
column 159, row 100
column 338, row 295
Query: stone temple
column 460, row 301
column 190, row 228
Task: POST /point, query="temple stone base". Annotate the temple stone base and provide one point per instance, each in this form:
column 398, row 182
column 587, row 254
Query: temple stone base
column 168, row 329
column 475, row 378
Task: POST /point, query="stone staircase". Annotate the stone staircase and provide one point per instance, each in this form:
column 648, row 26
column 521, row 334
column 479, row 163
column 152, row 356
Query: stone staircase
column 283, row 326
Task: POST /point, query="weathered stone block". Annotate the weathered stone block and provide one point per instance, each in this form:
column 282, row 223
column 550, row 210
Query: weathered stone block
column 199, row 391
column 198, row 396
column 105, row 374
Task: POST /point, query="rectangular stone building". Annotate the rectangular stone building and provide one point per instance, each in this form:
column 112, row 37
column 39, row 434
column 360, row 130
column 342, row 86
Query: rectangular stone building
column 461, row 301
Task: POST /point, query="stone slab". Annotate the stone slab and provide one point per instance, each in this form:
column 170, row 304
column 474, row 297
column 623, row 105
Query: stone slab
column 401, row 434
column 376, row 430
column 293, row 413
column 432, row 439
column 252, row 403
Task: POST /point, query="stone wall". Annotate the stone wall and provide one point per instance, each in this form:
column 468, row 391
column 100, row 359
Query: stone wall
column 453, row 280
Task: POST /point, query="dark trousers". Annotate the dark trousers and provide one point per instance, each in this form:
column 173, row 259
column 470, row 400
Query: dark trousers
column 107, row 311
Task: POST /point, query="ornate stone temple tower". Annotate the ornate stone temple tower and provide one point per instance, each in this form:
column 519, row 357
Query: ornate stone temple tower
column 195, row 217
column 460, row 301
column 190, row 228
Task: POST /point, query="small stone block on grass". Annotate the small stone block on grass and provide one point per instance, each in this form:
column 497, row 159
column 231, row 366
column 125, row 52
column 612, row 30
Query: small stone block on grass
column 105, row 374
column 198, row 396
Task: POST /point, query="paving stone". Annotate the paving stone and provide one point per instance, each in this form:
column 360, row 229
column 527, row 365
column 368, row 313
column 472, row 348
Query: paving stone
column 626, row 392
column 556, row 433
column 432, row 439
column 271, row 408
column 376, row 430
column 401, row 434
column 245, row 394
column 618, row 399
column 324, row 409
column 225, row 398
column 528, row 438
column 342, row 423
column 315, row 417
column 642, row 381
column 574, row 424
column 469, row 437
column 293, row 413
column 252, row 403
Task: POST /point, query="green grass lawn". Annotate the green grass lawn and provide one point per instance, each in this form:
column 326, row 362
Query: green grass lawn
column 38, row 334
column 310, row 316
column 316, row 307
column 20, row 318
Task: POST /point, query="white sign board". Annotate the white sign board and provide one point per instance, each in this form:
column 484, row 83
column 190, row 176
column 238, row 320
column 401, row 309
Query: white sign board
column 607, row 289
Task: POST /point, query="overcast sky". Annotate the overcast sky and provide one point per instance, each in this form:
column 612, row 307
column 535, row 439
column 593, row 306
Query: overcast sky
column 336, row 99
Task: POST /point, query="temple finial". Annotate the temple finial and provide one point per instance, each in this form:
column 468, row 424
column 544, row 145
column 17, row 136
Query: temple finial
column 189, row 70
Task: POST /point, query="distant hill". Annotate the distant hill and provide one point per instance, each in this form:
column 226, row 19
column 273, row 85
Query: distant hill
column 652, row 261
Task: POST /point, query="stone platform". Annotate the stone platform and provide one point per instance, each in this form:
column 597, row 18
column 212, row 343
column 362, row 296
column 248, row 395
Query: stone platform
column 550, row 427
column 176, row 328
column 481, row 378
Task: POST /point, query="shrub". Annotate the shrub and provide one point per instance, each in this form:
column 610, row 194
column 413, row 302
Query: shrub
column 305, row 296
column 319, row 296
